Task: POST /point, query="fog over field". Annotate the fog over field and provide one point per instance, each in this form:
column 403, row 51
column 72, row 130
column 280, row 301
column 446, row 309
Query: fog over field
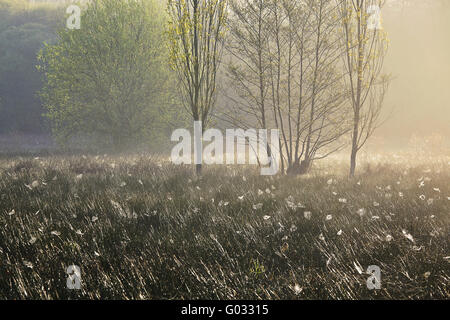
column 418, row 58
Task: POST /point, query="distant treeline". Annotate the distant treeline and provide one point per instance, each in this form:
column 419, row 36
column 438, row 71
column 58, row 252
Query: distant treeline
column 24, row 27
column 50, row 84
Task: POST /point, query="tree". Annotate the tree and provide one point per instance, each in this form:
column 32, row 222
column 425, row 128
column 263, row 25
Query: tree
column 284, row 56
column 312, row 118
column 108, row 80
column 365, row 48
column 196, row 37
column 248, row 82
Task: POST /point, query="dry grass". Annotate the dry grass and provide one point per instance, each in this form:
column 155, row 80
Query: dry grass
column 140, row 230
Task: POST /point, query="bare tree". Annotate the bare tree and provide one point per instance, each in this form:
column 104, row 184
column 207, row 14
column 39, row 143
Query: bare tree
column 246, row 72
column 196, row 37
column 306, row 85
column 315, row 117
column 366, row 46
column 284, row 75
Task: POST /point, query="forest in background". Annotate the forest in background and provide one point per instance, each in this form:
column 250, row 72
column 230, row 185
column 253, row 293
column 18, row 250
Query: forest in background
column 23, row 30
column 26, row 28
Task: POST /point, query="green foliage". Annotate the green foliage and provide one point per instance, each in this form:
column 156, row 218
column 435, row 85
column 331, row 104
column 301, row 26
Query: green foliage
column 109, row 81
column 196, row 34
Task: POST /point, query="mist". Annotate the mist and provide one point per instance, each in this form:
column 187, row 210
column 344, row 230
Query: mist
column 418, row 60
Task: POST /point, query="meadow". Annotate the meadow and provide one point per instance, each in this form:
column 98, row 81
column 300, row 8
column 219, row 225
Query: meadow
column 142, row 228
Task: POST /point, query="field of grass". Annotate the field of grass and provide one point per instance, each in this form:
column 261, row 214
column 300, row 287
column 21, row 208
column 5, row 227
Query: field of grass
column 140, row 228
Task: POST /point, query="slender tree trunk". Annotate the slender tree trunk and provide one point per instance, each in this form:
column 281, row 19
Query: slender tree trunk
column 357, row 107
column 354, row 145
column 353, row 161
